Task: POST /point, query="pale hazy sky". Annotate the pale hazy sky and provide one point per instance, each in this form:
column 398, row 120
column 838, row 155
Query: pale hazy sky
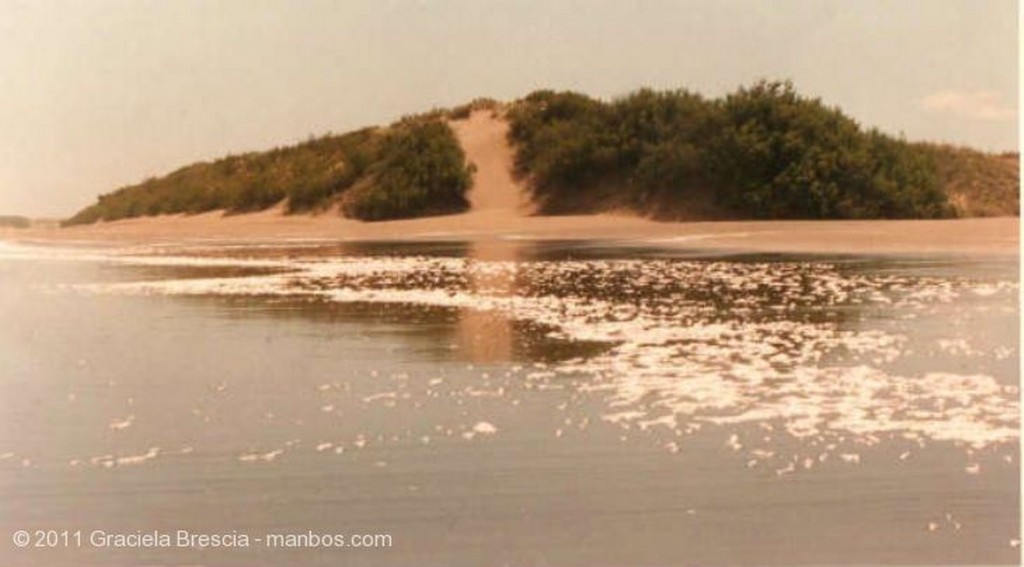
column 99, row 94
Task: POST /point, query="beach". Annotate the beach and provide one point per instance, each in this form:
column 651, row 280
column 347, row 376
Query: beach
column 957, row 236
column 511, row 401
column 559, row 284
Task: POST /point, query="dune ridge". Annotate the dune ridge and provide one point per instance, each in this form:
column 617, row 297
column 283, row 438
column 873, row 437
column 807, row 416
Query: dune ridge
column 500, row 208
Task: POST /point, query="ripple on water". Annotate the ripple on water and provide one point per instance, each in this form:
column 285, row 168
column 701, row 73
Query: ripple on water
column 790, row 344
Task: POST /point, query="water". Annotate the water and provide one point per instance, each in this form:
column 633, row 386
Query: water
column 510, row 403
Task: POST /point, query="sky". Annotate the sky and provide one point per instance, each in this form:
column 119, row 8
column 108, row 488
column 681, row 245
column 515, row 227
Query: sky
column 99, row 94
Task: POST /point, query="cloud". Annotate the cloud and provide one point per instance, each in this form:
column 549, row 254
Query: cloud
column 977, row 105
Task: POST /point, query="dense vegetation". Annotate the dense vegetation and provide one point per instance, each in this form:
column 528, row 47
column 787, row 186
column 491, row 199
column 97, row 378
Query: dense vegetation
column 415, row 167
column 761, row 152
column 978, row 184
column 420, row 171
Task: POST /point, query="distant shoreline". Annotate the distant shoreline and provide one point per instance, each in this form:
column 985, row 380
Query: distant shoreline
column 763, row 152
column 983, row 236
column 500, row 208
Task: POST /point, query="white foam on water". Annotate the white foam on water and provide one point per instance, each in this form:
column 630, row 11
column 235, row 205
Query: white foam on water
column 690, row 343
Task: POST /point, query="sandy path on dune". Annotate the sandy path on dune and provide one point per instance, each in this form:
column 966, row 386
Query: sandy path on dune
column 484, row 138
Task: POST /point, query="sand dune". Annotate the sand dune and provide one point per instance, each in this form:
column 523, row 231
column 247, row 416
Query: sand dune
column 500, row 209
column 484, row 138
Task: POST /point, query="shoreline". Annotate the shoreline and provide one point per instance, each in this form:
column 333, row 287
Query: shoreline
column 984, row 236
column 501, row 206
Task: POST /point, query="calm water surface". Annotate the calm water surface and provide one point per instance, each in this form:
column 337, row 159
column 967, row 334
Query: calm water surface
column 511, row 403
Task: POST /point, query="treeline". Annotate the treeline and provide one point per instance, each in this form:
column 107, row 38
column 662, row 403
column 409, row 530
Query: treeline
column 760, row 152
column 414, row 167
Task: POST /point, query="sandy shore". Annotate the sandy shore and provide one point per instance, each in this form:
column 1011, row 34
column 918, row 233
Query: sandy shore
column 976, row 236
column 500, row 209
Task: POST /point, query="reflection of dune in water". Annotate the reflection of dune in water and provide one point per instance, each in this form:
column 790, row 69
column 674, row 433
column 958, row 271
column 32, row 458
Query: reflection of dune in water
column 797, row 347
column 488, row 336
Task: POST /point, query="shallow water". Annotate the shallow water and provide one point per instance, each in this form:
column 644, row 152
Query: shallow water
column 567, row 403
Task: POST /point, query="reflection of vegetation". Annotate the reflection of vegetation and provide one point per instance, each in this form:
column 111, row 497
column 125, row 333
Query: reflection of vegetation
column 761, row 152
column 12, row 221
column 414, row 167
column 433, row 331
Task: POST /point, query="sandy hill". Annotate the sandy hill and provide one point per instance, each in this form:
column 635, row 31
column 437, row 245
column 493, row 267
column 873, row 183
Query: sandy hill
column 484, row 138
column 566, row 165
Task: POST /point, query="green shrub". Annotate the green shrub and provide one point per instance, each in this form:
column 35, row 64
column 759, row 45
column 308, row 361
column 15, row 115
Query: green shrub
column 415, row 167
column 761, row 152
column 421, row 171
column 463, row 111
column 978, row 184
column 317, row 188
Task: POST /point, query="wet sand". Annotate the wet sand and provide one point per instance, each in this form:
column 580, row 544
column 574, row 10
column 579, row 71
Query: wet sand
column 512, row 402
column 975, row 236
